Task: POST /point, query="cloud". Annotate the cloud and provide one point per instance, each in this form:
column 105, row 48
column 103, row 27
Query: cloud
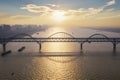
column 110, row 3
column 37, row 9
column 53, row 5
column 92, row 11
column 81, row 12
column 84, row 12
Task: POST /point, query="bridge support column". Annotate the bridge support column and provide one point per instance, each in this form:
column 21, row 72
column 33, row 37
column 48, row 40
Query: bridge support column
column 114, row 47
column 40, row 47
column 81, row 47
column 4, row 47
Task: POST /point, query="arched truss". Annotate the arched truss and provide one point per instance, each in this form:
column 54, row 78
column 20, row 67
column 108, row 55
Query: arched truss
column 94, row 35
column 65, row 34
column 98, row 35
column 21, row 35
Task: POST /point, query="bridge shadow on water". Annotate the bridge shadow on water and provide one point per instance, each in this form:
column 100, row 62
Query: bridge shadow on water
column 62, row 57
column 61, row 54
column 48, row 54
column 59, row 57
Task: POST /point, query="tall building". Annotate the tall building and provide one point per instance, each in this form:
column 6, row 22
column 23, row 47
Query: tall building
column 5, row 28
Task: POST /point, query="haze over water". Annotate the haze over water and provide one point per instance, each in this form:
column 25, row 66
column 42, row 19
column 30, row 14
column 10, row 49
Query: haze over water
column 97, row 62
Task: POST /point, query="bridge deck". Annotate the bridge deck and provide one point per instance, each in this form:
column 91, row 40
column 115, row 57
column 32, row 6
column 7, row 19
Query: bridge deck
column 2, row 40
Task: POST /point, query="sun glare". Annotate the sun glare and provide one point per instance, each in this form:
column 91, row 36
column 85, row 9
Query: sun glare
column 58, row 16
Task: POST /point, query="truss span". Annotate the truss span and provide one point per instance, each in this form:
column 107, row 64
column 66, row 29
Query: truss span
column 102, row 35
column 22, row 35
column 95, row 36
column 61, row 35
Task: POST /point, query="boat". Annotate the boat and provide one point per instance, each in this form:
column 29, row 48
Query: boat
column 21, row 49
column 5, row 53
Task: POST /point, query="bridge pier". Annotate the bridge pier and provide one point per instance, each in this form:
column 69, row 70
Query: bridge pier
column 40, row 47
column 114, row 47
column 81, row 47
column 4, row 47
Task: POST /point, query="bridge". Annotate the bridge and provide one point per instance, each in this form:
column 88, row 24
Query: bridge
column 59, row 37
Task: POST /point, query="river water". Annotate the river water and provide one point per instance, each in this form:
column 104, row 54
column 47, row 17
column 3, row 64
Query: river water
column 62, row 61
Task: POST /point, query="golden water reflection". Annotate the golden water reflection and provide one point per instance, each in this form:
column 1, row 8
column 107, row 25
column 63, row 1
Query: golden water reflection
column 52, row 70
column 56, row 68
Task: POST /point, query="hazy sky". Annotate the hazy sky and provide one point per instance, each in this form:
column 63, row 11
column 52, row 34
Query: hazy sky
column 61, row 12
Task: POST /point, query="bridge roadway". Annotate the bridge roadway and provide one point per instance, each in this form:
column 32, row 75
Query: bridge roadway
column 41, row 40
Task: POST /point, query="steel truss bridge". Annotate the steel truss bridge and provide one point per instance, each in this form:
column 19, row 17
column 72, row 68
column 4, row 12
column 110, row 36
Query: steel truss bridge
column 59, row 37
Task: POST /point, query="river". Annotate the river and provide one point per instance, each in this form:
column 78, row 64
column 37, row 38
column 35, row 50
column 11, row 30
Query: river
column 62, row 61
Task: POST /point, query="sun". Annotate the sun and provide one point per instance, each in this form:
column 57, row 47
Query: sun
column 58, row 16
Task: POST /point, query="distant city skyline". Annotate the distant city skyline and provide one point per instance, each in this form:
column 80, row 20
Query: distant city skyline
column 61, row 12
